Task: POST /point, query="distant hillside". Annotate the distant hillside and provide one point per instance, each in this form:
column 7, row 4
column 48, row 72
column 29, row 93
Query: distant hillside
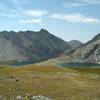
column 75, row 44
column 30, row 46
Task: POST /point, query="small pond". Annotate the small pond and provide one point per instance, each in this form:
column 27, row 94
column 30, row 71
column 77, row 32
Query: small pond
column 22, row 63
column 77, row 64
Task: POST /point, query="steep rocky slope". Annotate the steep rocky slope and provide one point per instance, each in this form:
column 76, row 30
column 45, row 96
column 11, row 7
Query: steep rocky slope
column 89, row 52
column 30, row 46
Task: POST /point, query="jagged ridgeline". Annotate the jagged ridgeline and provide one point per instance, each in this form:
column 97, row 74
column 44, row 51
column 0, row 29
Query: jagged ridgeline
column 30, row 46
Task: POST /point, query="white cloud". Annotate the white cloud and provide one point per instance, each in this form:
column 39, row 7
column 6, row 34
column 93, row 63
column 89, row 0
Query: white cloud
column 78, row 3
column 73, row 4
column 75, row 18
column 9, row 15
column 30, row 21
column 35, row 13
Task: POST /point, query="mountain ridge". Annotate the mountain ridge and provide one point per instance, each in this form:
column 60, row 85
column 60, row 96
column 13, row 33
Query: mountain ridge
column 30, row 46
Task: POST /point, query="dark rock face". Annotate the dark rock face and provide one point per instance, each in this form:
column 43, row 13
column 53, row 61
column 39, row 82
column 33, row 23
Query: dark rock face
column 30, row 46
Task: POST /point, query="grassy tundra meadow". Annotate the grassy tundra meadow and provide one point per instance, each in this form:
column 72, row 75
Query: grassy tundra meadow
column 51, row 81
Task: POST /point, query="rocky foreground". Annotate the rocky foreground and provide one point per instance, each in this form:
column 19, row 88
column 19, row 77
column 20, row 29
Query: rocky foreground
column 39, row 97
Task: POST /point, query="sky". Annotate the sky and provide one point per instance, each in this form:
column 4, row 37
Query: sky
column 67, row 19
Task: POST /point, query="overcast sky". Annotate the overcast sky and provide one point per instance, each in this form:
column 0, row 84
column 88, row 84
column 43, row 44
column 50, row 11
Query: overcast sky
column 68, row 19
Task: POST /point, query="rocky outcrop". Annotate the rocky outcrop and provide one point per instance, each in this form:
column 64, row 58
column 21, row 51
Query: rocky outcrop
column 40, row 97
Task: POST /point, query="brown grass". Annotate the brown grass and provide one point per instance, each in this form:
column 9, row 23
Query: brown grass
column 57, row 83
